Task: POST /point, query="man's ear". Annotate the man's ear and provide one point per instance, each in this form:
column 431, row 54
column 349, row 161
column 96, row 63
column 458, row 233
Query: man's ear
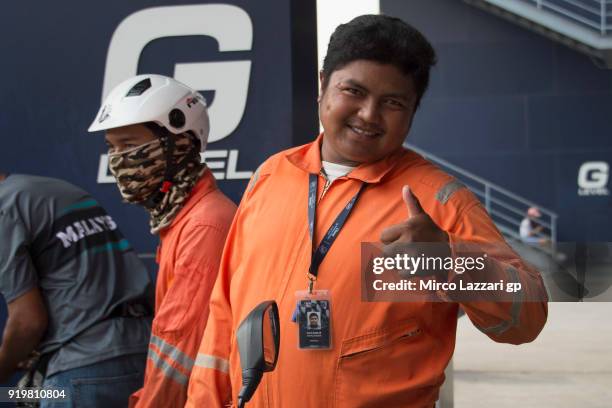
column 321, row 82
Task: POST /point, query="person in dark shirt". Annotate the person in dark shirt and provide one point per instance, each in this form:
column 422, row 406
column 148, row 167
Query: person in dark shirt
column 78, row 296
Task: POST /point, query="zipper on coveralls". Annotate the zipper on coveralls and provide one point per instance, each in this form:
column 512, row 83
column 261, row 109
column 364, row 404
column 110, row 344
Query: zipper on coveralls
column 326, row 186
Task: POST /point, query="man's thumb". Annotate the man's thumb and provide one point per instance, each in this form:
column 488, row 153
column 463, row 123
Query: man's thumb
column 412, row 203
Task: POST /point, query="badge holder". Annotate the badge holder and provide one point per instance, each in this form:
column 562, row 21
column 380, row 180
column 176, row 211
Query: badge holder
column 313, row 307
column 313, row 317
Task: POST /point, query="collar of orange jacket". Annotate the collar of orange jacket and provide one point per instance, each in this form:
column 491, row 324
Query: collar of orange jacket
column 205, row 185
column 308, row 158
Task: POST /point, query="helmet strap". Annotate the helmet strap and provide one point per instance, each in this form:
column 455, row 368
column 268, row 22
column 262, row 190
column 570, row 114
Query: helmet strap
column 167, row 139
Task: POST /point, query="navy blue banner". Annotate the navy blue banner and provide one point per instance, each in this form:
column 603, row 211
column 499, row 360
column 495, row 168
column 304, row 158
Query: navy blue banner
column 61, row 58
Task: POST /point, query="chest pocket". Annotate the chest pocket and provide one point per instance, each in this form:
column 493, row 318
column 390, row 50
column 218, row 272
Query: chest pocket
column 383, row 369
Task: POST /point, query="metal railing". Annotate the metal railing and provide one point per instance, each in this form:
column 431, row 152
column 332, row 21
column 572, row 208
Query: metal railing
column 506, row 208
column 594, row 14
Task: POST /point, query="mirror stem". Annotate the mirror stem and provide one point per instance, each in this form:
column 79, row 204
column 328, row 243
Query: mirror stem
column 250, row 381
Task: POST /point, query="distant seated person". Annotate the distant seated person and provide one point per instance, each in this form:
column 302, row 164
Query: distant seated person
column 531, row 229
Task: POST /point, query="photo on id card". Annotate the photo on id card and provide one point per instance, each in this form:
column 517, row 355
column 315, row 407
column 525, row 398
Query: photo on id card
column 314, row 324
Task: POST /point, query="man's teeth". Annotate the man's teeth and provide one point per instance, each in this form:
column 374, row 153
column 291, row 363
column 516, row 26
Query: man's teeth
column 363, row 132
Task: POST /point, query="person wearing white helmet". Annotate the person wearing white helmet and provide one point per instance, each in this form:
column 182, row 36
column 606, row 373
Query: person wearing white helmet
column 156, row 128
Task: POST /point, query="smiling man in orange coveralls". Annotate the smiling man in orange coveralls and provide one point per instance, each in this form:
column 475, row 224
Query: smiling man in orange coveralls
column 156, row 128
column 381, row 354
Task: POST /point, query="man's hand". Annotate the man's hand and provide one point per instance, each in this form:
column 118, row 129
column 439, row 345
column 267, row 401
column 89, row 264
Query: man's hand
column 29, row 362
column 419, row 227
column 416, row 236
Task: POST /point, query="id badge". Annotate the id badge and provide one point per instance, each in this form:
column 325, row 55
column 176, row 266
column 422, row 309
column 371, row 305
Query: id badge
column 313, row 318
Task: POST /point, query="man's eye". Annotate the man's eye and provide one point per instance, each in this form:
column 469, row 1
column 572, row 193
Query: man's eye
column 353, row 91
column 395, row 103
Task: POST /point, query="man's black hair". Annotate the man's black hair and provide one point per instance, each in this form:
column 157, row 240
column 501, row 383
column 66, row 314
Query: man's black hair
column 383, row 39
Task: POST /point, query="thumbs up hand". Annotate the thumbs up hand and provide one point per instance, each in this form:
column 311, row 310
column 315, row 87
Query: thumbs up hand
column 418, row 228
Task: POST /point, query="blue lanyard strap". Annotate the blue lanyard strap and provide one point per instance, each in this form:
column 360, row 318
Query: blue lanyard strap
column 332, row 233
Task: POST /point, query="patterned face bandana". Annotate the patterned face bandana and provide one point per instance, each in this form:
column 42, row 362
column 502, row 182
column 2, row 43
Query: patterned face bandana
column 140, row 172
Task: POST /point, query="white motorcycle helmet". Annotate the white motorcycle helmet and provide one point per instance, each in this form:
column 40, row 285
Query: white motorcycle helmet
column 158, row 99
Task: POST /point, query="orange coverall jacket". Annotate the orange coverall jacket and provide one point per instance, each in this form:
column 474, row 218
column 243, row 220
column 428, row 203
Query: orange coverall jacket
column 384, row 354
column 188, row 258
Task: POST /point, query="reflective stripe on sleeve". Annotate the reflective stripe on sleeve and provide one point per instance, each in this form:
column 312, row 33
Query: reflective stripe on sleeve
column 515, row 311
column 216, row 363
column 166, row 368
column 447, row 190
column 173, row 353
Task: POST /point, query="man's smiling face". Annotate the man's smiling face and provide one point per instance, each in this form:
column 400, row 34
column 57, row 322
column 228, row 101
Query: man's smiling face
column 366, row 109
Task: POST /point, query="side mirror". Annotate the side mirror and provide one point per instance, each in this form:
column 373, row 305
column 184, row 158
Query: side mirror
column 258, row 339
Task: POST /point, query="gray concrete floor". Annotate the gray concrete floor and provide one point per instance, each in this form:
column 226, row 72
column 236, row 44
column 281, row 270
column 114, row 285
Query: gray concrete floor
column 568, row 365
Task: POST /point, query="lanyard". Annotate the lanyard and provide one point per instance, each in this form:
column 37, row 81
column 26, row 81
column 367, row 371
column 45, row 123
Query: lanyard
column 332, row 233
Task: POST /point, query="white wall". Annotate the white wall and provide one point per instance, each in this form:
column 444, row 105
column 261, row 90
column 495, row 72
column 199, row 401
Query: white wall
column 331, row 13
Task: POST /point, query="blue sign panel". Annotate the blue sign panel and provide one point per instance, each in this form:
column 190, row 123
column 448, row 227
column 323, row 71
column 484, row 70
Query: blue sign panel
column 254, row 65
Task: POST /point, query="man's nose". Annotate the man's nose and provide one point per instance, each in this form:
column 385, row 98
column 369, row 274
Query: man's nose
column 369, row 111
